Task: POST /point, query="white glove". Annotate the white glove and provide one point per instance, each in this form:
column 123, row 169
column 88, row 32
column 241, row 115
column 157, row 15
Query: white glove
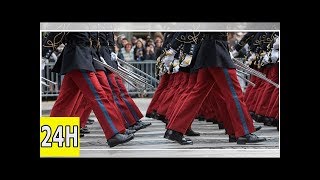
column 276, row 44
column 274, row 56
column 169, row 57
column 234, row 53
column 250, row 59
column 186, row 61
column 265, row 59
column 231, row 55
column 176, row 69
column 175, row 66
column 113, row 56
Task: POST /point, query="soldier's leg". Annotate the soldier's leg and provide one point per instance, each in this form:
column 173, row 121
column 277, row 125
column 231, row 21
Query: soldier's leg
column 135, row 111
column 164, row 92
column 104, row 110
column 125, row 112
column 181, row 89
column 67, row 98
column 191, row 83
column 170, row 94
column 154, row 102
column 187, row 111
column 249, row 88
column 227, row 81
column 264, row 102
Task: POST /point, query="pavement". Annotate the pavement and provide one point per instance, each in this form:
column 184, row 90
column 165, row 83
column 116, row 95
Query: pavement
column 149, row 142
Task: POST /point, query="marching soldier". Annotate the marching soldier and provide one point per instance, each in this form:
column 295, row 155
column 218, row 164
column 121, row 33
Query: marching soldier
column 215, row 68
column 154, row 104
column 76, row 63
column 109, row 83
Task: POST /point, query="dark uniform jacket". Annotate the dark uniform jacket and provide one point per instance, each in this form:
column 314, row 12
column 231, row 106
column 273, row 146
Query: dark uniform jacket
column 213, row 52
column 107, row 47
column 78, row 53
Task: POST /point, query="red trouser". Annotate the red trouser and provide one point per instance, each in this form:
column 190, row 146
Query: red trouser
column 182, row 87
column 253, row 92
column 120, row 101
column 167, row 99
column 88, row 84
column 164, row 93
column 262, row 106
column 221, row 109
column 228, row 84
column 273, row 108
column 136, row 113
column 258, row 92
column 109, row 84
column 249, row 88
column 263, row 86
column 155, row 99
column 191, row 82
column 83, row 110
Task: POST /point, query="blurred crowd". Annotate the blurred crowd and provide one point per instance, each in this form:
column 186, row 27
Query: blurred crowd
column 139, row 49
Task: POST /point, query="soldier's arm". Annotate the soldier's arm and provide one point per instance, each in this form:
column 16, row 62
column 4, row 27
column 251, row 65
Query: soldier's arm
column 111, row 42
column 51, row 41
column 245, row 39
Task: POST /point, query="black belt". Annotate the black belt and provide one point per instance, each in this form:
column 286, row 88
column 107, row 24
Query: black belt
column 83, row 43
column 104, row 43
column 77, row 43
column 215, row 37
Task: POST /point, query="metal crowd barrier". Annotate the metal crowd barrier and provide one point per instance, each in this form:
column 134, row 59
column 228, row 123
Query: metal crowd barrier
column 147, row 66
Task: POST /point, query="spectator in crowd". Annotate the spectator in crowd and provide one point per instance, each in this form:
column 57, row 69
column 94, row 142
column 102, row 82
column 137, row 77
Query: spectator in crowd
column 150, row 54
column 158, row 39
column 126, row 53
column 124, row 41
column 119, row 40
column 157, row 48
column 143, row 42
column 139, row 51
column 134, row 41
column 116, row 50
column 150, row 42
column 148, row 38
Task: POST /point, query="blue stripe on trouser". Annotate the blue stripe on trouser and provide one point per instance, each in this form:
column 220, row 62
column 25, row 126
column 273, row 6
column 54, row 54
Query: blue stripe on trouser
column 98, row 99
column 236, row 100
column 117, row 101
column 133, row 112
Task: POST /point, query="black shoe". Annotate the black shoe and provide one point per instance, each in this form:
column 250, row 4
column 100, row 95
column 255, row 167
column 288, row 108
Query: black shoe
column 253, row 115
column 250, row 138
column 214, row 121
column 151, row 115
column 258, row 118
column 119, row 139
column 91, row 120
column 139, row 125
column 190, row 132
column 232, row 138
column 257, row 128
column 128, row 131
column 177, row 136
column 84, row 130
column 268, row 121
column 200, row 118
column 221, row 126
column 274, row 122
column 160, row 117
column 81, row 135
column 144, row 124
column 89, row 123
